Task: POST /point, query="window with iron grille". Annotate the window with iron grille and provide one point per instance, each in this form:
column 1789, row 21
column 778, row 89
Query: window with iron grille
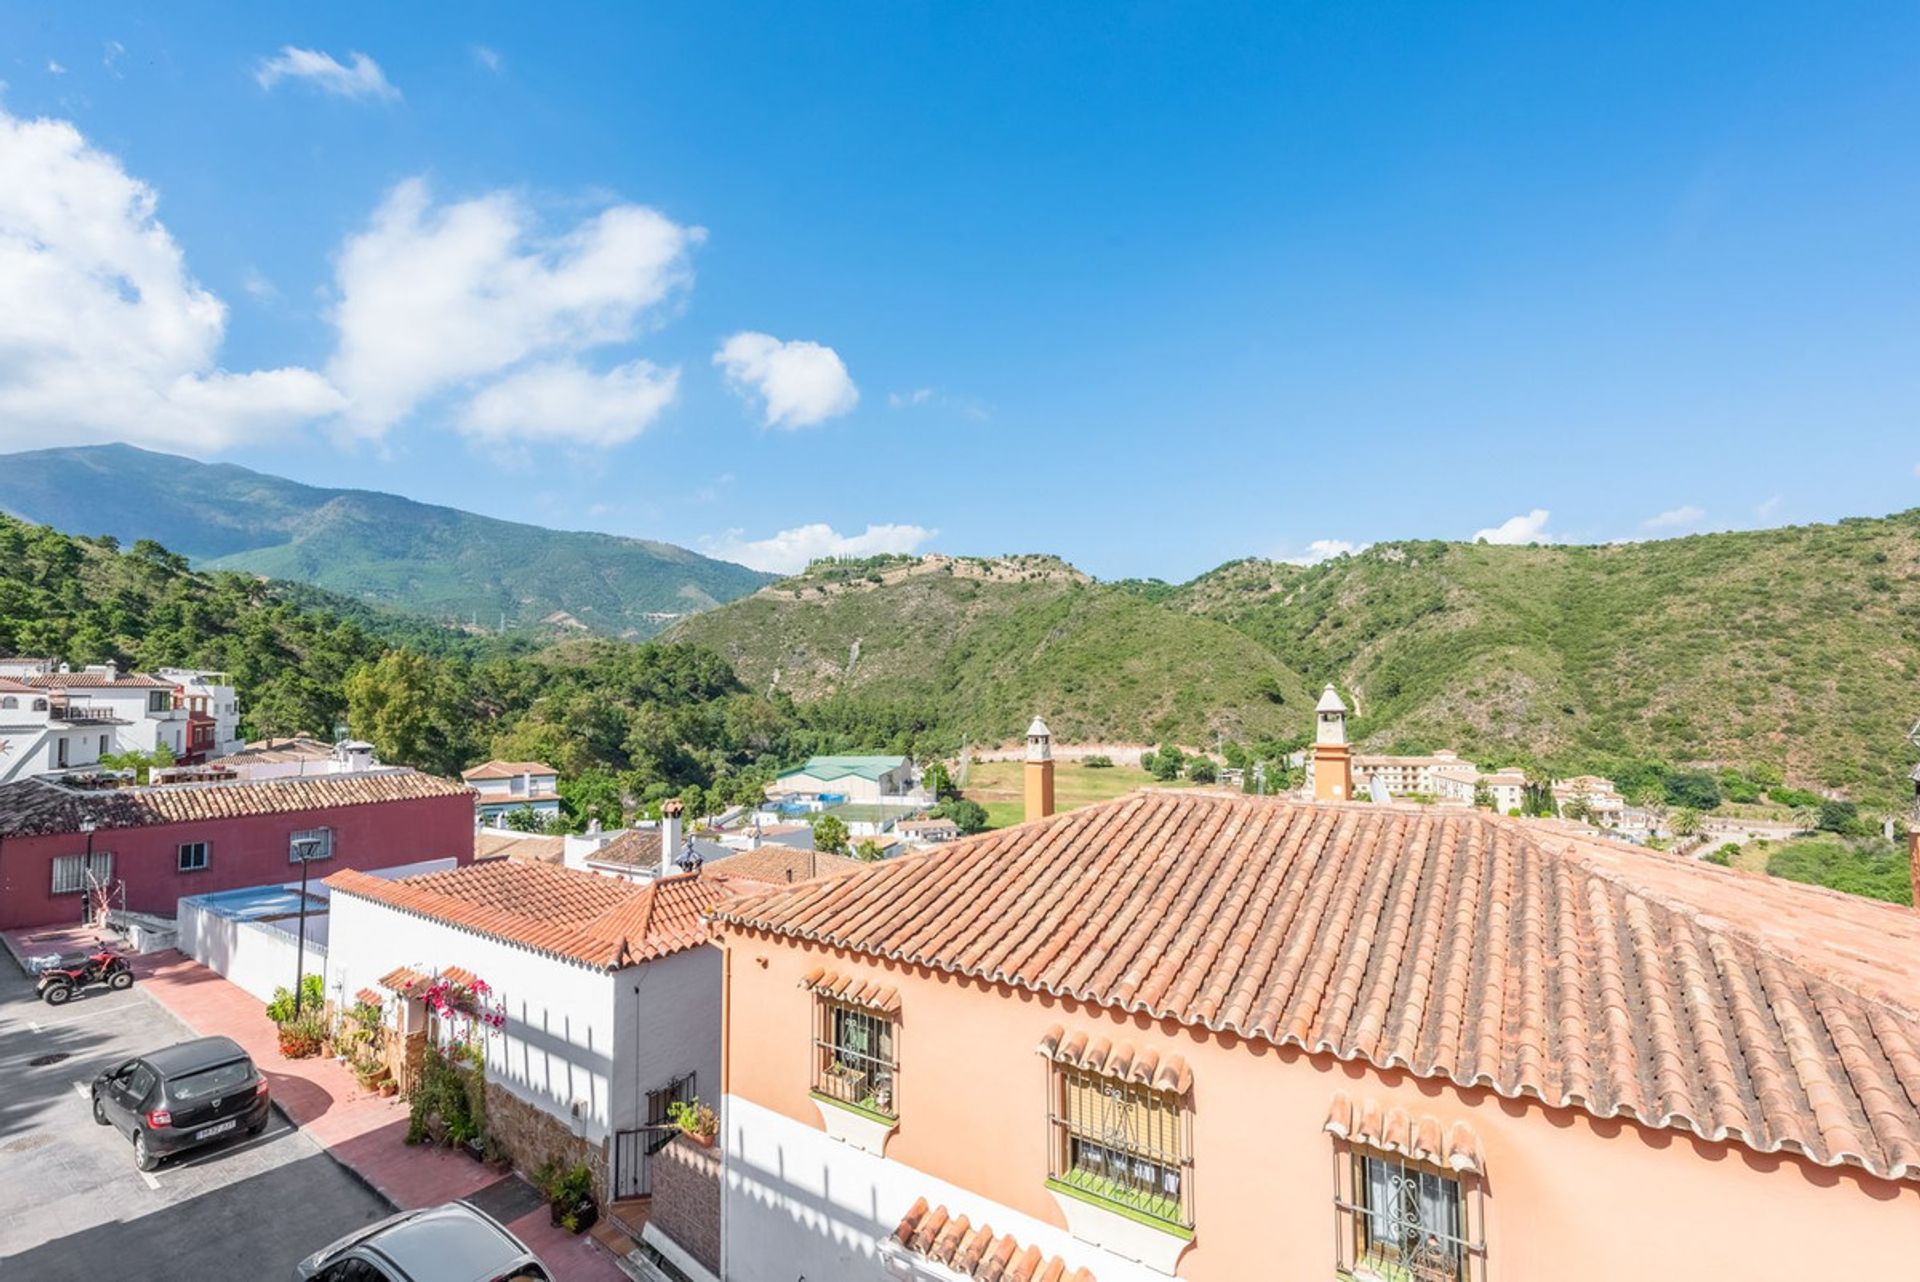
column 855, row 1057
column 1122, row 1142
column 322, row 836
column 73, row 874
column 1403, row 1221
column 192, row 856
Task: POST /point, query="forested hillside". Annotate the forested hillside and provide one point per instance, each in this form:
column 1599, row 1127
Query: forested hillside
column 986, row 644
column 1797, row 648
column 438, row 561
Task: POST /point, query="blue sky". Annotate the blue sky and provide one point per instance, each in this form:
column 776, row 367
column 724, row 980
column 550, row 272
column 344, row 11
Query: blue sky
column 1149, row 287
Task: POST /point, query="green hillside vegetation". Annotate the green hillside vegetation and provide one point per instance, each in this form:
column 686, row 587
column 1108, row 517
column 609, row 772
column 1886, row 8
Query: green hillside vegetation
column 452, row 565
column 982, row 646
column 1794, row 650
column 639, row 721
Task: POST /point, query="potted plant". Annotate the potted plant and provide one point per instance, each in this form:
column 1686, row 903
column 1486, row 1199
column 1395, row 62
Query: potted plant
column 696, row 1121
column 569, row 1194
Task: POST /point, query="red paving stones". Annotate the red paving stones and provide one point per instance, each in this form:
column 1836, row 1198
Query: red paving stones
column 362, row 1130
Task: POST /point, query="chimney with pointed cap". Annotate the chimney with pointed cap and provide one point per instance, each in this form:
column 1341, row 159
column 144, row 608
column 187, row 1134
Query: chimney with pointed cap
column 1332, row 758
column 1039, row 790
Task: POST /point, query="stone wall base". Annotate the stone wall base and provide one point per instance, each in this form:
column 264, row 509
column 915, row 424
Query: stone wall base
column 686, row 1199
column 531, row 1136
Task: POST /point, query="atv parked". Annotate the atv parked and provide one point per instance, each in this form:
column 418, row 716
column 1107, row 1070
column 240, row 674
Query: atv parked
column 58, row 982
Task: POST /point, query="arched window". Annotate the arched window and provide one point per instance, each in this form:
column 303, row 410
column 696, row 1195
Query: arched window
column 39, row 705
column 8, row 701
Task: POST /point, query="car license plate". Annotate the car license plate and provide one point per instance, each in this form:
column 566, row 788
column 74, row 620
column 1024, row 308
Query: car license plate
column 219, row 1129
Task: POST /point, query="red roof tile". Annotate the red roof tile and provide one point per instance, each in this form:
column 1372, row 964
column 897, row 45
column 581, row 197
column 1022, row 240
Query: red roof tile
column 851, row 989
column 1457, row 946
column 402, row 979
column 370, row 997
column 603, row 922
column 1395, row 1130
column 775, row 863
column 507, row 770
column 1101, row 1055
column 977, row 1251
column 36, row 807
column 99, row 681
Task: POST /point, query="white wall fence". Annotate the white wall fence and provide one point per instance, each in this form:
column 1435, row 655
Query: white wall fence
column 257, row 956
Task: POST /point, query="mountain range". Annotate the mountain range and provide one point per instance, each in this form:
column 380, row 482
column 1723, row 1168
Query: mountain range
column 448, row 564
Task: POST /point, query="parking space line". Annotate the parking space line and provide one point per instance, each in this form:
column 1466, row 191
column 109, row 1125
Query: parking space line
column 148, row 1177
column 84, row 1091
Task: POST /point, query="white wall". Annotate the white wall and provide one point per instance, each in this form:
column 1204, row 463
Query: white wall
column 558, row 1044
column 253, row 955
column 667, row 1023
column 799, row 1203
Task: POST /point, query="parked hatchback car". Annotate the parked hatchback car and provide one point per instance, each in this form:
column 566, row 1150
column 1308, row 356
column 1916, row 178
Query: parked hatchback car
column 183, row 1097
column 453, row 1242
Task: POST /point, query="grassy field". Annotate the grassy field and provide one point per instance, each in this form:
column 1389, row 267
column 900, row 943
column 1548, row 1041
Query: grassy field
column 998, row 785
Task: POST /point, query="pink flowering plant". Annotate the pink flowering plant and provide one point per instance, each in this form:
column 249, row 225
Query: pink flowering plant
column 465, row 1006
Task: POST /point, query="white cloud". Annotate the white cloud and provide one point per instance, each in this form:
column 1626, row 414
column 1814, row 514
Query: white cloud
column 444, row 298
column 360, row 77
column 802, row 383
column 905, row 400
column 560, row 401
column 1528, row 528
column 1678, row 518
column 789, row 551
column 488, row 58
column 1324, row 550
column 55, row 69
column 1770, row 507
column 255, row 282
column 111, row 54
column 105, row 334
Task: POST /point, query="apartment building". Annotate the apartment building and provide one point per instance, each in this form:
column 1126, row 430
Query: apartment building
column 503, row 787
column 189, row 713
column 1220, row 1038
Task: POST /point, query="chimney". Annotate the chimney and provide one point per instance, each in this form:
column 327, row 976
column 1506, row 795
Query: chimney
column 669, row 837
column 1332, row 758
column 1039, row 771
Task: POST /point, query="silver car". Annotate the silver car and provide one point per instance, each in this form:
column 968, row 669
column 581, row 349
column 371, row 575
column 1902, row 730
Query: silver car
column 454, row 1242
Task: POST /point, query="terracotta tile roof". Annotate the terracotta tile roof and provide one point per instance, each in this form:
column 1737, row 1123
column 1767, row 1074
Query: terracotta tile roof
column 33, row 807
column 851, row 989
column 278, row 752
column 602, row 922
column 11, row 686
column 776, row 864
column 634, row 848
column 1415, row 1135
column 509, row 800
column 977, row 1251
column 1109, row 1059
column 460, row 975
column 402, row 979
column 1458, row 946
column 507, row 769
column 524, row 846
column 99, row 680
column 371, row 997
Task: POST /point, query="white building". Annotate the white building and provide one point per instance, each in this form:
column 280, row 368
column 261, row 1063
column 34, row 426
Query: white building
column 507, row 786
column 297, row 757
column 857, row 779
column 1593, row 793
column 1461, row 783
column 609, row 990
column 41, row 735
column 191, row 714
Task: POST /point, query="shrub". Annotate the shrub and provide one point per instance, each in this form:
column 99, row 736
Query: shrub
column 313, row 997
column 1202, row 771
column 1098, row 761
column 693, row 1117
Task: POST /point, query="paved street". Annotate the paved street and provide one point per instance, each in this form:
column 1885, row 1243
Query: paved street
column 75, row 1207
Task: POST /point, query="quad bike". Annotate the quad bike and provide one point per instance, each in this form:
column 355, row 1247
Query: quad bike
column 58, row 982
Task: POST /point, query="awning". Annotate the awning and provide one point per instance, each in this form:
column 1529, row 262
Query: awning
column 1118, row 1060
column 852, row 990
column 1391, row 1129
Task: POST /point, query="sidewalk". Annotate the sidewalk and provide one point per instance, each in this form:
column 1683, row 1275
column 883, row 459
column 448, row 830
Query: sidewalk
column 361, row 1130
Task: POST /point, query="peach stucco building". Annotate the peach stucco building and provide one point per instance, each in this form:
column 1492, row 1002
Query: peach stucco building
column 1225, row 1039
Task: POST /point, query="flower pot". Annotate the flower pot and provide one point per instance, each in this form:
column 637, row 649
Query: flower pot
column 585, row 1213
column 704, row 1141
column 389, row 1088
column 474, row 1149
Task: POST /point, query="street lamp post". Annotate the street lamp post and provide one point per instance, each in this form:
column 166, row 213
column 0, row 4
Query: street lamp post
column 87, row 826
column 305, row 846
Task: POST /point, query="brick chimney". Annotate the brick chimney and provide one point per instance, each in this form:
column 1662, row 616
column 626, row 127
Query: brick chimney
column 1332, row 758
column 1039, row 770
column 669, row 837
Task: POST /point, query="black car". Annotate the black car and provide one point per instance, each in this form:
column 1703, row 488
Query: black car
column 182, row 1097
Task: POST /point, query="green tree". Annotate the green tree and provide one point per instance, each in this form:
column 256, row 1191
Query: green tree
column 411, row 710
column 523, row 819
column 868, row 851
column 936, row 779
column 143, row 764
column 1685, row 821
column 1201, row 770
column 968, row 816
column 593, row 795
column 830, row 835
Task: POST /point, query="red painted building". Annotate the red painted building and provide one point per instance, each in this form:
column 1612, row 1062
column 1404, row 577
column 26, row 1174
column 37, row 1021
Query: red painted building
column 148, row 847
